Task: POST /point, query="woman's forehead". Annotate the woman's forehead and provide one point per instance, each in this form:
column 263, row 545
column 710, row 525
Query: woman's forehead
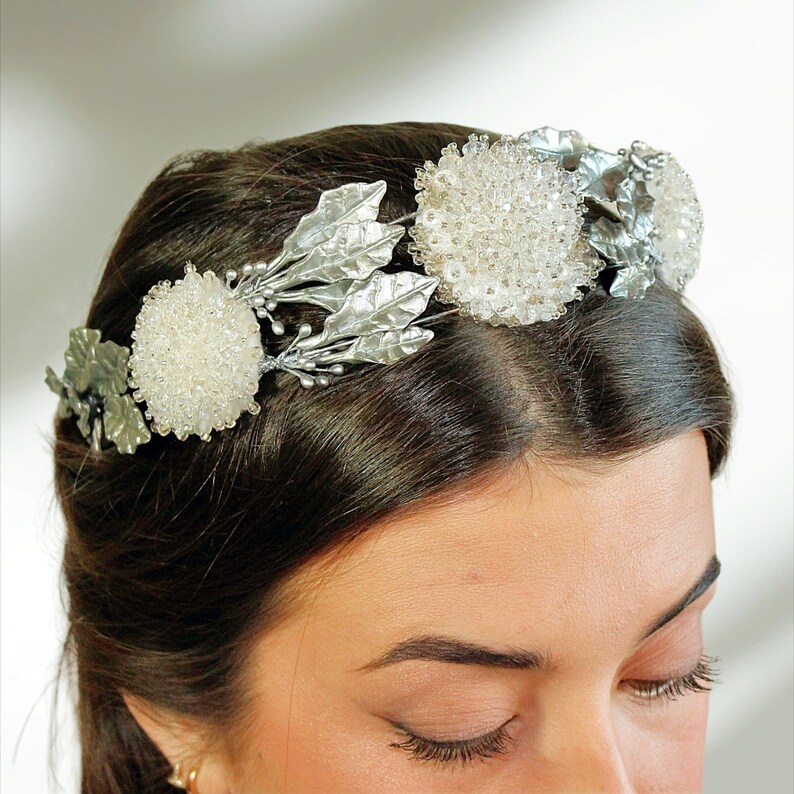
column 533, row 548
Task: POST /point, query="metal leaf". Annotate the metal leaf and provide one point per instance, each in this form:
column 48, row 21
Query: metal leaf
column 64, row 408
column 62, row 390
column 566, row 145
column 80, row 408
column 617, row 245
column 79, row 355
column 636, row 207
column 355, row 201
column 100, row 366
column 329, row 296
column 53, row 381
column 354, row 251
column 599, row 174
column 385, row 302
column 632, row 281
column 109, row 369
column 384, row 347
column 124, row 424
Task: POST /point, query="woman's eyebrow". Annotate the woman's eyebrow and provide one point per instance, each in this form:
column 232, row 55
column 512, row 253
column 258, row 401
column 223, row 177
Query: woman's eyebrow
column 439, row 648
column 707, row 578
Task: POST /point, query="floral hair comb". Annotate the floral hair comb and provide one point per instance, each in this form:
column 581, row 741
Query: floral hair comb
column 506, row 233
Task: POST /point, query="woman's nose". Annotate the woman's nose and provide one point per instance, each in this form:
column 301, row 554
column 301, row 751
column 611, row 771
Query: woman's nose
column 595, row 764
column 587, row 752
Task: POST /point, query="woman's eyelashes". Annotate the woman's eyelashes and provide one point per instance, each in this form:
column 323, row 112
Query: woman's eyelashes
column 453, row 750
column 698, row 680
column 497, row 741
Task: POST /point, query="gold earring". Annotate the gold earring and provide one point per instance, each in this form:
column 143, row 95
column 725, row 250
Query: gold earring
column 178, row 781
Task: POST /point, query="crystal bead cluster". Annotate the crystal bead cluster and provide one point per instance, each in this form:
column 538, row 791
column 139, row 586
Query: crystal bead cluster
column 195, row 356
column 678, row 217
column 501, row 228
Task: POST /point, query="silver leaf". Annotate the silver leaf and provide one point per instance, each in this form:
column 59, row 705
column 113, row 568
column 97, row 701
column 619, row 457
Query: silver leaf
column 109, row 369
column 78, row 356
column 354, row 251
column 65, row 408
column 329, row 296
column 385, row 302
column 635, row 204
column 632, row 281
column 384, row 347
column 599, row 174
column 617, row 245
column 355, row 201
column 62, row 390
column 566, row 145
column 53, row 381
column 80, row 408
column 124, row 424
column 100, row 366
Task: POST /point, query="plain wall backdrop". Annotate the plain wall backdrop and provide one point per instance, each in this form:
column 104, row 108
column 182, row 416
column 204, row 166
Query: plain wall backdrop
column 96, row 96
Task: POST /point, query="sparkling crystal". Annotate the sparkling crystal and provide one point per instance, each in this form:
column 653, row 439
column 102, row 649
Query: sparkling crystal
column 195, row 355
column 501, row 228
column 678, row 217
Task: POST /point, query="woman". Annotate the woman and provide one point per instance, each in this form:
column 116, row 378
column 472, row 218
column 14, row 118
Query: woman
column 474, row 561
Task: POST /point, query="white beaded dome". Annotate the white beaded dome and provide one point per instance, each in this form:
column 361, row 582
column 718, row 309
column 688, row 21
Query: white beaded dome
column 678, row 217
column 501, row 228
column 195, row 356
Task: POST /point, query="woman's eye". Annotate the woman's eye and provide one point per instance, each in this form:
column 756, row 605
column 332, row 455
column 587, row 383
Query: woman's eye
column 450, row 751
column 496, row 742
column 698, row 680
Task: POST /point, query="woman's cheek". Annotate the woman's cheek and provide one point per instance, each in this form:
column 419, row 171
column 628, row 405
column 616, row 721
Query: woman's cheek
column 663, row 744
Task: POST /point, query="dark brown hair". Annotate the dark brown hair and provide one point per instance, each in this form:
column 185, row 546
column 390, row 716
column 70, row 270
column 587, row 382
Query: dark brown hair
column 175, row 556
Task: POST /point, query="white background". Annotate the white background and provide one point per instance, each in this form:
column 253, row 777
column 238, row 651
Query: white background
column 96, row 96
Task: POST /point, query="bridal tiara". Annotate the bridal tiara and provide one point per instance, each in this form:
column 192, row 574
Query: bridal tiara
column 506, row 233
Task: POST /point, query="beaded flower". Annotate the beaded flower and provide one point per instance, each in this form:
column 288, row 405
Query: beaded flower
column 208, row 374
column 507, row 233
column 516, row 229
column 501, row 228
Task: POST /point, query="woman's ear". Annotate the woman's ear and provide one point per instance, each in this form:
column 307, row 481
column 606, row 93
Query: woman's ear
column 182, row 741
